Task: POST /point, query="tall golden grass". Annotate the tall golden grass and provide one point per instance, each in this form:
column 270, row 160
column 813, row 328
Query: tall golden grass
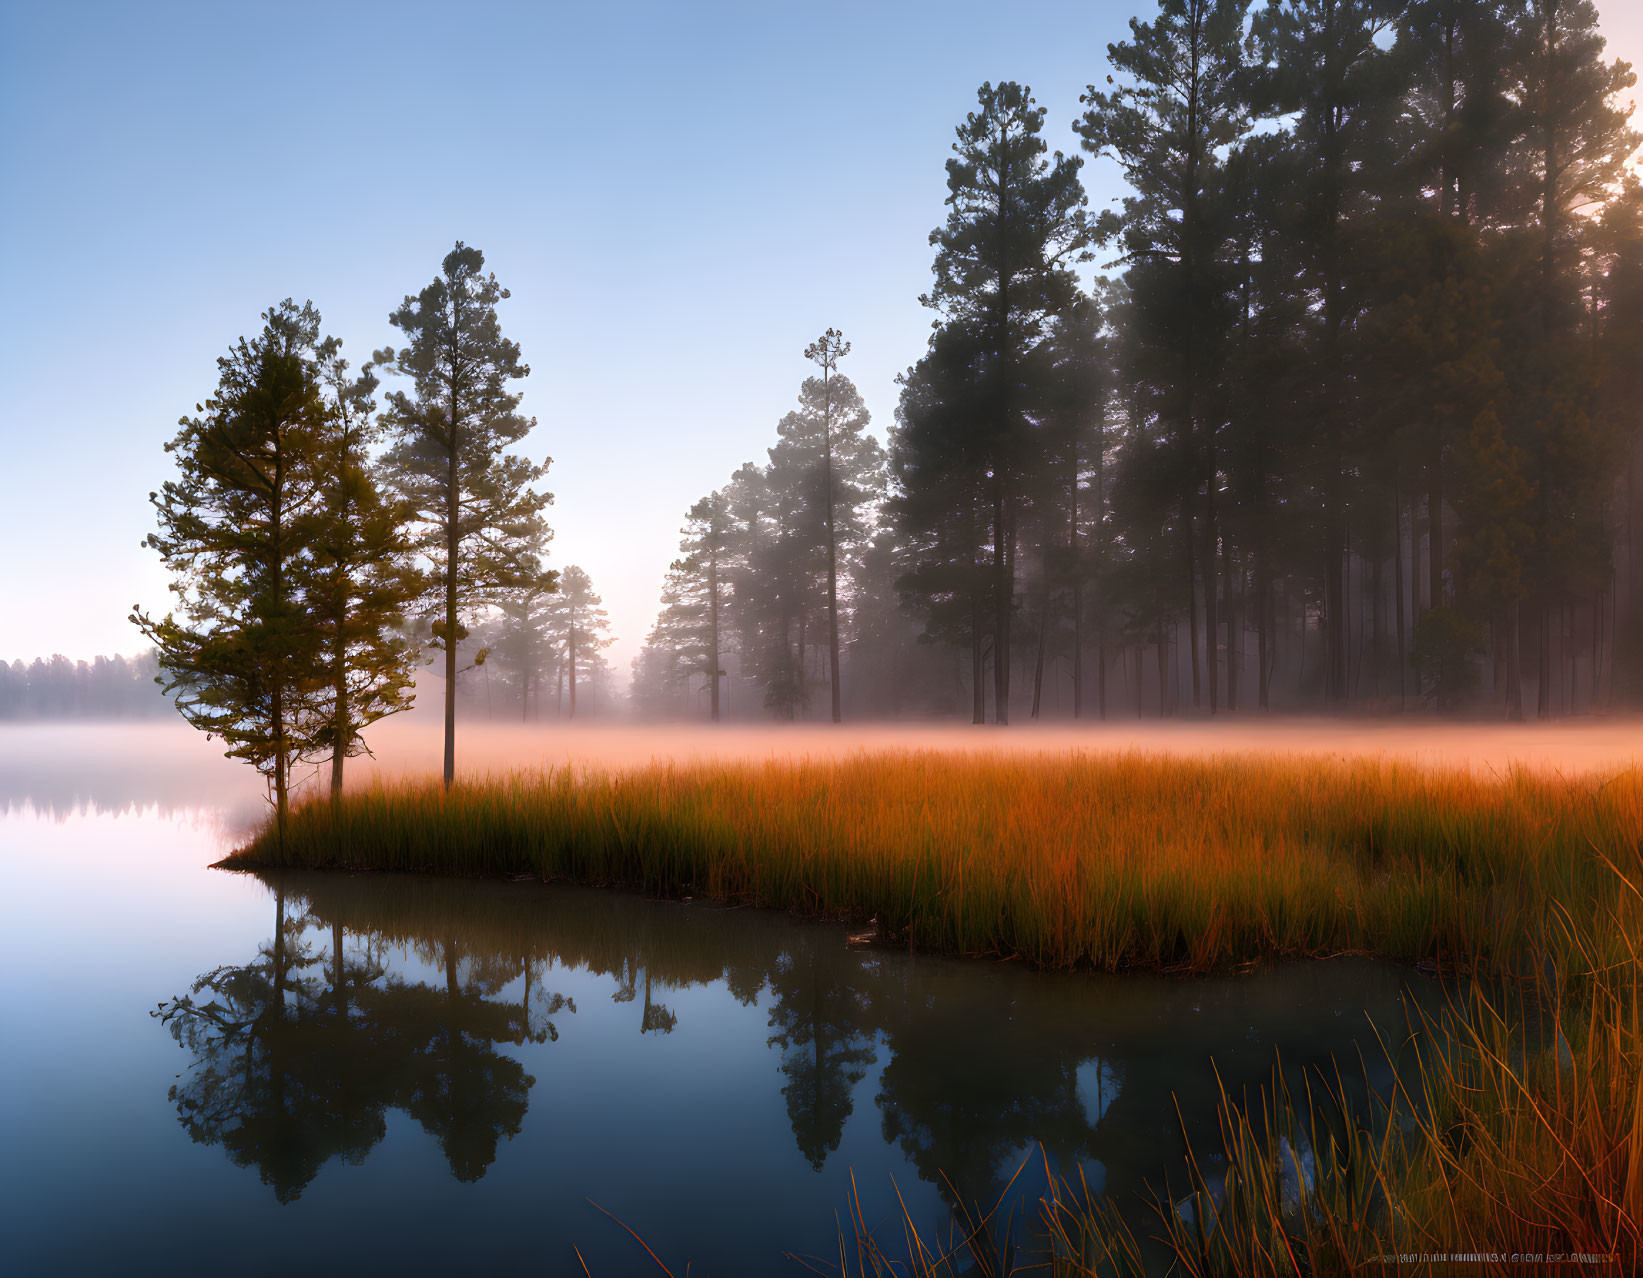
column 1521, row 1132
column 1107, row 861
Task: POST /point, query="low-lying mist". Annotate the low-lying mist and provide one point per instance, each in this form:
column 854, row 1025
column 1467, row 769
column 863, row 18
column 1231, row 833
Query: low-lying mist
column 60, row 768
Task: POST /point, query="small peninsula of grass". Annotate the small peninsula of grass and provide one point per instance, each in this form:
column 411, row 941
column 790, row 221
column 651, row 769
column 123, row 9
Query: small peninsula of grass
column 1522, row 1131
column 1108, row 861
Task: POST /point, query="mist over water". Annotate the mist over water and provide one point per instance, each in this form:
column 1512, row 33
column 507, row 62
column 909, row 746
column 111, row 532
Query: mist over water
column 62, row 768
column 410, row 745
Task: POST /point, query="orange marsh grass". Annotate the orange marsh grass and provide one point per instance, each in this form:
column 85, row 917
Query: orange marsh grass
column 1069, row 860
column 1505, row 1140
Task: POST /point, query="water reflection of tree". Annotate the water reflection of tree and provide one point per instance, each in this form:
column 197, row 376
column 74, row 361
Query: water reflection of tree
column 820, row 1021
column 982, row 1063
column 964, row 1096
column 268, row 1083
column 297, row 1060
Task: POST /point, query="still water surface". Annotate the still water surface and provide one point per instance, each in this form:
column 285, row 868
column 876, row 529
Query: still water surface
column 205, row 1071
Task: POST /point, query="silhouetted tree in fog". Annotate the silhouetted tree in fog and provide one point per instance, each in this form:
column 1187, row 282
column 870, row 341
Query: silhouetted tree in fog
column 1015, row 227
column 578, row 627
column 839, row 469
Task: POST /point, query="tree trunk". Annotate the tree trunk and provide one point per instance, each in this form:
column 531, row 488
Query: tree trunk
column 452, row 511
column 1232, row 573
column 1397, row 586
column 1163, row 672
column 832, row 553
column 1543, row 664
column 570, row 659
column 281, row 765
column 713, row 629
column 1263, row 627
column 1076, row 567
column 1434, row 517
column 1003, row 592
column 341, row 726
column 1212, row 635
column 978, row 692
column 1514, row 664
column 1043, row 636
column 1192, row 600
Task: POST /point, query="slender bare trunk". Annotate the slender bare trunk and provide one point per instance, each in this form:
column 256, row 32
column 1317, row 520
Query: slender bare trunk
column 452, row 513
column 713, row 629
column 1397, row 585
column 832, row 554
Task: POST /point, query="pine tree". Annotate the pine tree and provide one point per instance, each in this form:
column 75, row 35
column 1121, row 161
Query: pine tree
column 237, row 528
column 579, row 627
column 696, row 609
column 1182, row 105
column 519, row 636
column 938, row 500
column 834, row 470
column 480, row 518
column 1325, row 72
column 361, row 581
column 1015, row 226
column 1573, row 142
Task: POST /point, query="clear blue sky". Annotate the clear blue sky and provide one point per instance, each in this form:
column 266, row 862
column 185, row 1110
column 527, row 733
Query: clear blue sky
column 680, row 196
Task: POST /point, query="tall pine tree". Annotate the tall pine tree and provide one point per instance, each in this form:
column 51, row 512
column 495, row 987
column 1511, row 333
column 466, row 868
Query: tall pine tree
column 480, row 517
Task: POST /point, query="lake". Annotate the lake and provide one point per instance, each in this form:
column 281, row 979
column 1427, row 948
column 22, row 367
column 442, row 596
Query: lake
column 208, row 1071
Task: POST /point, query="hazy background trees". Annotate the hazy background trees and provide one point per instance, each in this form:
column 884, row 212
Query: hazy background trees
column 103, row 688
column 1354, row 423
column 1351, row 422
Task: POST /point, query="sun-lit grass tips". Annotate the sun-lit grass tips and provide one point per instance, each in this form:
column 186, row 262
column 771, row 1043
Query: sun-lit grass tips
column 1073, row 860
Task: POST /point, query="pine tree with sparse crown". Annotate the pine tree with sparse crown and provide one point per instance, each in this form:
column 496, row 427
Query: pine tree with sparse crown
column 479, row 516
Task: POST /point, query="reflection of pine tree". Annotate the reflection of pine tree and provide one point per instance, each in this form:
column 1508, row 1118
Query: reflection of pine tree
column 288, row 1074
column 451, row 1080
column 254, row 1031
column 964, row 1106
column 653, row 1017
column 819, row 1021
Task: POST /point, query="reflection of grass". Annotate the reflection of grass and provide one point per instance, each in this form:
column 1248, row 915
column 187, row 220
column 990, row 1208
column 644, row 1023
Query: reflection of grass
column 1496, row 1147
column 1101, row 860
column 1499, row 1145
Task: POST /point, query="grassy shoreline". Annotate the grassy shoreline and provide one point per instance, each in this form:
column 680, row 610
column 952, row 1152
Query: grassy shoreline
column 1105, row 861
column 1502, row 1145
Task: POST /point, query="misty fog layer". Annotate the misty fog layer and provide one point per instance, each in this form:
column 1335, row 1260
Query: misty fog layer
column 63, row 768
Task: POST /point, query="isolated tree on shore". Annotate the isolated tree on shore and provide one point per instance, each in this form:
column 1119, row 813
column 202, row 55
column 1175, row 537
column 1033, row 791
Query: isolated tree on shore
column 1015, row 226
column 839, row 469
column 361, row 580
column 480, row 518
column 237, row 530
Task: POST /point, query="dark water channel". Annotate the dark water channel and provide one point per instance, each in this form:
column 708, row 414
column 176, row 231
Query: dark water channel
column 205, row 1072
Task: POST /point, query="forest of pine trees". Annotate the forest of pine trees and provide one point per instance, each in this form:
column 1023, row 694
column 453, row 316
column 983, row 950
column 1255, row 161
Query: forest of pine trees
column 1353, row 420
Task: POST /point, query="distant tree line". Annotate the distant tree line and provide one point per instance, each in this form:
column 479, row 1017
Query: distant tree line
column 103, row 688
column 1355, row 422
column 318, row 543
